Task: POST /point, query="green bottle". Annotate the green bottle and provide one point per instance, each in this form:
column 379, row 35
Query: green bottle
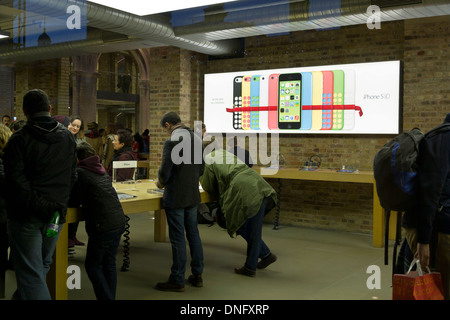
column 53, row 225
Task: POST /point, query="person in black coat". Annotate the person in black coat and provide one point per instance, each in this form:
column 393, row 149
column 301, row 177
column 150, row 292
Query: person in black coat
column 39, row 162
column 434, row 203
column 105, row 220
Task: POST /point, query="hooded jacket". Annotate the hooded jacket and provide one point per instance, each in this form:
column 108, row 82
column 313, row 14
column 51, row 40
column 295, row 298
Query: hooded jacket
column 94, row 192
column 39, row 162
column 240, row 189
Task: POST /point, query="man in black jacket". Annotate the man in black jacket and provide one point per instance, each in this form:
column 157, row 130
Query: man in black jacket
column 105, row 220
column 179, row 173
column 39, row 163
column 434, row 202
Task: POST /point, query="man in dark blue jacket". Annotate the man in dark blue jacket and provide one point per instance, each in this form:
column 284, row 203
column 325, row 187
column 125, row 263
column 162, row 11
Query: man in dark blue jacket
column 39, row 163
column 434, row 202
column 179, row 173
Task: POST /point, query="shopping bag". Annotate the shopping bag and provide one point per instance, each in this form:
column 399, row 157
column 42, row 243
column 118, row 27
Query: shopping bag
column 417, row 285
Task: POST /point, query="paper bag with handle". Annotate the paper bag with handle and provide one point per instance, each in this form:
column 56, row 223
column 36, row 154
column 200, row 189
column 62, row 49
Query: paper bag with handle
column 417, row 285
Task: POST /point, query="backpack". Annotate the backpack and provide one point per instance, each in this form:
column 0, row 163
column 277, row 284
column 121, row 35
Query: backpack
column 395, row 169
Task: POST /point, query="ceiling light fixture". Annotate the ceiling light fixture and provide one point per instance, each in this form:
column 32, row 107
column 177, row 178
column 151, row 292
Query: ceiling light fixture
column 4, row 34
column 143, row 8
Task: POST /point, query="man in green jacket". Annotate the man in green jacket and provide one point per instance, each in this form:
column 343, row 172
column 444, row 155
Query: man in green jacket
column 245, row 198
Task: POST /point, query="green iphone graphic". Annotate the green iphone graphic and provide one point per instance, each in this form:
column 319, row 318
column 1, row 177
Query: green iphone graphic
column 338, row 100
column 289, row 101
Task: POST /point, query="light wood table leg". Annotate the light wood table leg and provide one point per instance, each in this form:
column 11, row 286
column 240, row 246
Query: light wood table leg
column 160, row 226
column 379, row 215
column 57, row 275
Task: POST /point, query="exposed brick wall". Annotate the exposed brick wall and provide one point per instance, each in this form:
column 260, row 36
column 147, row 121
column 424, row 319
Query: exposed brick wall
column 63, row 106
column 107, row 78
column 21, row 88
column 7, row 90
column 427, row 72
column 45, row 75
column 177, row 84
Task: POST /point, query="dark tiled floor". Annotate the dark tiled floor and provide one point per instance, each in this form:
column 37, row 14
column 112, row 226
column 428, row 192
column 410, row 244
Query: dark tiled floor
column 312, row 265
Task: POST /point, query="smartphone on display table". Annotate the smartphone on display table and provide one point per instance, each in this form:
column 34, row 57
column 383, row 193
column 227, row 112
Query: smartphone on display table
column 289, row 100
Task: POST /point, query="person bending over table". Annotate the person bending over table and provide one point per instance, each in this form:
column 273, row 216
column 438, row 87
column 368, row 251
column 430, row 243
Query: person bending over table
column 245, row 198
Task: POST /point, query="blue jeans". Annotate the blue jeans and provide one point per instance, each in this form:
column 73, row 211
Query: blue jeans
column 31, row 254
column 180, row 220
column 251, row 231
column 100, row 262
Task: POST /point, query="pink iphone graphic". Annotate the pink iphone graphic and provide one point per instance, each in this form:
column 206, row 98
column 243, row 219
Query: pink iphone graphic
column 327, row 100
column 273, row 101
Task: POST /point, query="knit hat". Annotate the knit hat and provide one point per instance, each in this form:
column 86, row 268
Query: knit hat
column 64, row 120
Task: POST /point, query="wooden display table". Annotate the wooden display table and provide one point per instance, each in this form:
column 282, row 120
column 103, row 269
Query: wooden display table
column 142, row 202
column 379, row 214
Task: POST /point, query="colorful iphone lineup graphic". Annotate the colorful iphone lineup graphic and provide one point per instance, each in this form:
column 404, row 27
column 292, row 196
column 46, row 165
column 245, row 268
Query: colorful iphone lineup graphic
column 316, row 100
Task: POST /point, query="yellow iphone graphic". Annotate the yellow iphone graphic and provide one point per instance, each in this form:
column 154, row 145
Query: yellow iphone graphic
column 317, row 100
column 246, row 85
